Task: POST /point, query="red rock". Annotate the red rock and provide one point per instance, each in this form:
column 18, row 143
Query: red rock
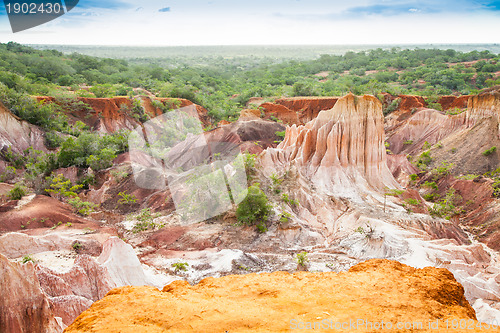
column 307, row 107
column 280, row 112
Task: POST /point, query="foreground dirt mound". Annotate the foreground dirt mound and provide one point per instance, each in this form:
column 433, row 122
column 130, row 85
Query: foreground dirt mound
column 40, row 212
column 278, row 302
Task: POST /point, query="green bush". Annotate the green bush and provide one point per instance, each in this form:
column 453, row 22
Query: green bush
column 302, row 259
column 424, row 160
column 92, row 150
column 145, row 220
column 254, row 209
column 441, row 171
column 126, row 199
column 8, row 174
column 393, row 106
column 446, row 207
column 490, row 151
column 18, row 192
column 83, row 208
column 53, row 139
column 28, row 258
column 180, row 266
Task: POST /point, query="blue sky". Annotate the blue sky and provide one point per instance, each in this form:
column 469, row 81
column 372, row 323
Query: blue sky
column 233, row 22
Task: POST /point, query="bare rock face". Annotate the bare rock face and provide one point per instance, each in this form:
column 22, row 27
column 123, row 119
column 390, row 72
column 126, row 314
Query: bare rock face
column 24, row 308
column 426, row 125
column 122, row 263
column 307, row 108
column 74, row 291
column 454, row 102
column 484, row 105
column 280, row 112
column 341, row 151
column 278, row 302
column 18, row 134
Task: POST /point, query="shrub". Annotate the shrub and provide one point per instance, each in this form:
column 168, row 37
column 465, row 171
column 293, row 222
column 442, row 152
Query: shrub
column 77, row 246
column 8, row 174
column 435, row 106
column 62, row 188
column 284, row 217
column 408, row 142
column 126, row 198
column 446, row 207
column 413, row 202
column 289, row 201
column 424, row 160
column 53, row 140
column 145, row 220
column 280, row 134
column 18, row 192
column 82, row 207
column 432, row 185
column 302, row 259
column 254, row 209
column 180, row 266
column 490, row 151
column 103, row 160
column 249, row 160
column 413, row 177
column 27, row 258
column 442, row 170
column 276, row 183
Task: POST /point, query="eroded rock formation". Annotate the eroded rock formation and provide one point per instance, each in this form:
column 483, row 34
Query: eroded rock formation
column 341, row 151
column 18, row 134
column 24, row 308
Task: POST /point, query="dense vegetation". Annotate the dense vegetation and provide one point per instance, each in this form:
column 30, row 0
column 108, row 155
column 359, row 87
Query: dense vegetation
column 224, row 85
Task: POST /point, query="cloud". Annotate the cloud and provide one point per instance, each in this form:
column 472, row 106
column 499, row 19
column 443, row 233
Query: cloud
column 164, row 10
column 106, row 4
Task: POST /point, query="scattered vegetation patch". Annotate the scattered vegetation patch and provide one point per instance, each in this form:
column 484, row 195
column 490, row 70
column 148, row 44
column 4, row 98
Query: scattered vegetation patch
column 254, row 209
column 18, row 192
column 180, row 266
column 446, row 207
column 126, row 199
column 27, row 258
column 489, row 151
column 302, row 260
column 424, row 160
column 145, row 220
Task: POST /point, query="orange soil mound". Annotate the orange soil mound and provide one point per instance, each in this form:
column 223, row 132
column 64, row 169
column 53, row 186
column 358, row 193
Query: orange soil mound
column 372, row 291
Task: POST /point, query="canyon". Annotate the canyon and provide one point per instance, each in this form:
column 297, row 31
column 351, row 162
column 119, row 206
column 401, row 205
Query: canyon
column 355, row 202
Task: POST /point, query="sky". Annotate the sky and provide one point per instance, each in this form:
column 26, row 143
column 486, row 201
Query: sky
column 260, row 22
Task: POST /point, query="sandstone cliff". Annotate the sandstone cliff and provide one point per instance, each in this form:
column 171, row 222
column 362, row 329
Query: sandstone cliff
column 278, row 302
column 342, row 151
column 18, row 134
column 24, row 308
